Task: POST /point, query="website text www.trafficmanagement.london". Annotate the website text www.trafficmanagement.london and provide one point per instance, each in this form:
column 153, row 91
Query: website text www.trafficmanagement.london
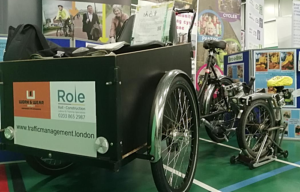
column 57, row 132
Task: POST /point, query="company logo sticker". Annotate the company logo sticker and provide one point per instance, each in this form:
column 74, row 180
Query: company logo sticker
column 32, row 99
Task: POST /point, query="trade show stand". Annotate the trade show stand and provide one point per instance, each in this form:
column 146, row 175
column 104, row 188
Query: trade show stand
column 264, row 64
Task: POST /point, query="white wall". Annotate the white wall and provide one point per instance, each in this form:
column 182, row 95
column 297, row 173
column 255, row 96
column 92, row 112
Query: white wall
column 273, row 10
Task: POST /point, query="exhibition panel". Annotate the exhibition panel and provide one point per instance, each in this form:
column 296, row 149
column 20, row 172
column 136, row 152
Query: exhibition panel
column 265, row 64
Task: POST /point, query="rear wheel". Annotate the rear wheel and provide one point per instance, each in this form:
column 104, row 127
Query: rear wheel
column 179, row 146
column 48, row 166
column 223, row 121
column 253, row 126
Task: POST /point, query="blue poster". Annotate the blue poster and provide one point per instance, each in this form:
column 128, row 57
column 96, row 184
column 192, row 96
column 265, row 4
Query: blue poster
column 236, row 72
column 271, row 63
column 2, row 47
column 291, row 117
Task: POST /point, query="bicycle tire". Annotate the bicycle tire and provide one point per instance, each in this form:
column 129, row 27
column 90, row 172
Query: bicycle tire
column 212, row 136
column 241, row 130
column 42, row 167
column 159, row 170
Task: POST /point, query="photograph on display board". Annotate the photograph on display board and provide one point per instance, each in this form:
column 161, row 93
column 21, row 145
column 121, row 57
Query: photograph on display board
column 274, row 63
column 287, row 60
column 272, row 90
column 85, row 20
column 230, row 6
column 286, row 115
column 236, row 72
column 261, row 61
column 210, row 26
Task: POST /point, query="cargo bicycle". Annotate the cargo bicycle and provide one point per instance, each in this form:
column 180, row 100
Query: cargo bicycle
column 138, row 102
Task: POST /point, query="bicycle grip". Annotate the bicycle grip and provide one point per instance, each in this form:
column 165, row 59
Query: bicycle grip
column 180, row 11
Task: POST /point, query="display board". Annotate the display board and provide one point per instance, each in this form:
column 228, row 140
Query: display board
column 265, row 64
column 254, row 24
column 291, row 117
column 3, row 41
column 237, row 66
column 98, row 20
column 271, row 63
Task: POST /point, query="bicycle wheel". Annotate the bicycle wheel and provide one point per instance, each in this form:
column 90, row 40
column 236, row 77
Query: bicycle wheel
column 48, row 166
column 176, row 168
column 254, row 122
column 223, row 121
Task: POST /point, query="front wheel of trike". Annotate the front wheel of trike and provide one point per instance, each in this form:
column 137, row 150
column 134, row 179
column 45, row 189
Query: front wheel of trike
column 175, row 170
column 47, row 166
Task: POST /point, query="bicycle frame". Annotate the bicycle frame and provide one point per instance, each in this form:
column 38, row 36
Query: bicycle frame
column 210, row 68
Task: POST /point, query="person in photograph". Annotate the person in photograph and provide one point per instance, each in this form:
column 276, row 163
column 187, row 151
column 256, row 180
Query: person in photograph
column 261, row 65
column 274, row 61
column 272, row 90
column 287, row 114
column 288, row 64
column 89, row 20
column 63, row 15
column 117, row 22
column 210, row 29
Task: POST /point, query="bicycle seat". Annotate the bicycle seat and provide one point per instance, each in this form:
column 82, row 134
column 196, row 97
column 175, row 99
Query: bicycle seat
column 211, row 44
column 280, row 81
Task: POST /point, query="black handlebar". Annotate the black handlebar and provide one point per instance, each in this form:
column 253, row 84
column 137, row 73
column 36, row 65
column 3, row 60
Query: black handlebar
column 247, row 88
column 181, row 11
column 251, row 82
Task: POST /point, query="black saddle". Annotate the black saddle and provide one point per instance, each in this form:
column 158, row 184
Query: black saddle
column 211, row 44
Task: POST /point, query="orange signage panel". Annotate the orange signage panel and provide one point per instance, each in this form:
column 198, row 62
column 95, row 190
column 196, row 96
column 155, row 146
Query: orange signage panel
column 32, row 99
